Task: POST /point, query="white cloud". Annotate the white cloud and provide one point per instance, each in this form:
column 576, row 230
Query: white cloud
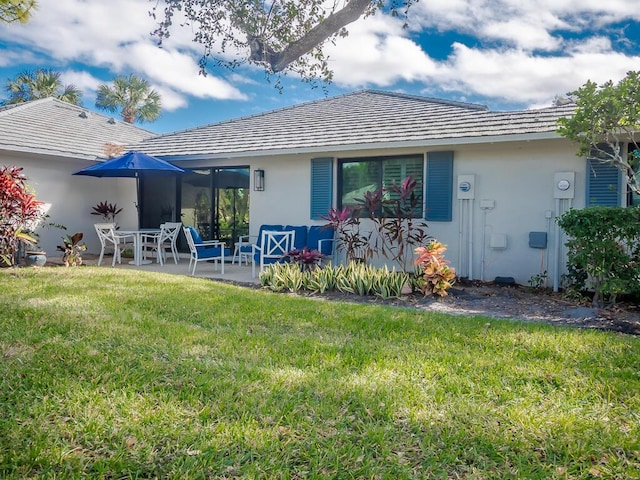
column 82, row 80
column 377, row 51
column 520, row 52
column 525, row 62
column 115, row 35
column 531, row 25
column 519, row 77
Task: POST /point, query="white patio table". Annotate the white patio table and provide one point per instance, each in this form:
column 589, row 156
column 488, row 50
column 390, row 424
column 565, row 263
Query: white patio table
column 137, row 243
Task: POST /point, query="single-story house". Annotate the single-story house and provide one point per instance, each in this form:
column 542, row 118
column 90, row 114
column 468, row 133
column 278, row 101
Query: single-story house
column 52, row 139
column 492, row 182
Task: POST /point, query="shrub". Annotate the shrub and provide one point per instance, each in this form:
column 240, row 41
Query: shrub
column 305, row 259
column 72, row 249
column 393, row 213
column 356, row 278
column 19, row 212
column 396, row 228
column 346, row 223
column 436, row 276
column 603, row 251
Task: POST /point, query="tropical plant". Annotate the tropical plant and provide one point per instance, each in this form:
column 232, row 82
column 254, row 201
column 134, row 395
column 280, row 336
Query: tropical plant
column 305, row 259
column 40, row 83
column 396, row 229
column 16, row 10
column 346, row 224
column 392, row 211
column 356, row 278
column 435, row 273
column 19, row 213
column 107, row 211
column 72, row 249
column 603, row 251
column 278, row 36
column 133, row 96
column 605, row 119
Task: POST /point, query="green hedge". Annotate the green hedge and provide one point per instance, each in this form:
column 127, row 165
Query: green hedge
column 603, row 248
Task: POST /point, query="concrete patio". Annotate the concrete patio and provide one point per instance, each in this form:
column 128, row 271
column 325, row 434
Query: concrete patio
column 232, row 272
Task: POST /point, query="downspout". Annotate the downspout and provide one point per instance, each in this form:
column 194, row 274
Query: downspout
column 556, row 251
column 460, row 236
column 470, row 240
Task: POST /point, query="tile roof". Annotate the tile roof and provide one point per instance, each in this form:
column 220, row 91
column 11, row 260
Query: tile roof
column 367, row 119
column 51, row 126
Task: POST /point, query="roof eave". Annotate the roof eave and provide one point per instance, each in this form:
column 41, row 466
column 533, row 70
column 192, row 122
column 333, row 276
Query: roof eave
column 366, row 146
column 44, row 151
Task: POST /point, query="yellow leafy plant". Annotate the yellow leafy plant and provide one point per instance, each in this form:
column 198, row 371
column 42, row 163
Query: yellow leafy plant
column 436, row 275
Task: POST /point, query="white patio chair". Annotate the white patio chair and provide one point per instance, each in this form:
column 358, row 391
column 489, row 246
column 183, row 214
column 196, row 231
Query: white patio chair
column 109, row 238
column 271, row 248
column 168, row 239
column 243, row 249
column 158, row 242
column 151, row 245
column 202, row 251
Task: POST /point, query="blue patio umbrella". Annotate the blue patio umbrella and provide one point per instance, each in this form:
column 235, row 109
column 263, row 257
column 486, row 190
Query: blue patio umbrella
column 132, row 164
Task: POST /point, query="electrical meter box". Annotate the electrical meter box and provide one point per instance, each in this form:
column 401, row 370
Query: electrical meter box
column 564, row 185
column 466, row 187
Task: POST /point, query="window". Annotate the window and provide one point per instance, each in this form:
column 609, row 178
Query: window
column 604, row 180
column 359, row 176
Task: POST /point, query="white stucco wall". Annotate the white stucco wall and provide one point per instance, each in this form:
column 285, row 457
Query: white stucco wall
column 517, row 176
column 71, row 198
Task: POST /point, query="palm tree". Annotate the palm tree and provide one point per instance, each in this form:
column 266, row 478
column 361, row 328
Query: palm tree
column 40, row 83
column 133, row 95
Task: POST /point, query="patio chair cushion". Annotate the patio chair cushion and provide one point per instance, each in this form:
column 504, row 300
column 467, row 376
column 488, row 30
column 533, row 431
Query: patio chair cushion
column 270, row 228
column 300, row 239
column 267, row 228
column 205, row 252
column 317, row 233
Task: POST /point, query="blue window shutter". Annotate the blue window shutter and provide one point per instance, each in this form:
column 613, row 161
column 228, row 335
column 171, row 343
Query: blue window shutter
column 603, row 184
column 321, row 186
column 439, row 187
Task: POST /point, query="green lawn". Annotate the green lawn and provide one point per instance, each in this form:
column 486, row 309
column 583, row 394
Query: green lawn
column 121, row 374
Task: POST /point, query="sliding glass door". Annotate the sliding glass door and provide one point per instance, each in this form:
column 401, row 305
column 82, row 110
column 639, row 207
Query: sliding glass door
column 215, row 201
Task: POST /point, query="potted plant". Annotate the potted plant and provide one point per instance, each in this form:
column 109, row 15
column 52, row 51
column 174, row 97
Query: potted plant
column 35, row 258
column 72, row 249
column 107, row 211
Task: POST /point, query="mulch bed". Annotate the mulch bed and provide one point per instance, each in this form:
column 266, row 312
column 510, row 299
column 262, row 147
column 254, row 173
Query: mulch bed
column 510, row 302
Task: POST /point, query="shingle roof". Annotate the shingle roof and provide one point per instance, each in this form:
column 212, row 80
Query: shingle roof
column 51, row 126
column 365, row 118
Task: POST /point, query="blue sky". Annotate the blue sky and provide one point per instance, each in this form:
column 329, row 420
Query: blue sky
column 506, row 54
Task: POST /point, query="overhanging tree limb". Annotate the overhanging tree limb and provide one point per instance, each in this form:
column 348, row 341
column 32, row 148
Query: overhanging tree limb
column 279, row 61
column 280, row 35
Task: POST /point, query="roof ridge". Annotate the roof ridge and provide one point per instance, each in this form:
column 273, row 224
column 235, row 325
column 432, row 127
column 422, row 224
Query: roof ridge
column 470, row 106
column 71, row 106
column 257, row 115
column 24, row 105
column 442, row 101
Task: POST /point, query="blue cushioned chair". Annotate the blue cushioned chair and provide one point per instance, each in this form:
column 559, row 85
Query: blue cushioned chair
column 321, row 238
column 202, row 251
column 300, row 237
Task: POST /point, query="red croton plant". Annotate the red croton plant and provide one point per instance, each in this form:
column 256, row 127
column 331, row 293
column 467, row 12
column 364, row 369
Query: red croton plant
column 18, row 209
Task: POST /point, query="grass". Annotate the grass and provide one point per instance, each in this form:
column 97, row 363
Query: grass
column 121, row 374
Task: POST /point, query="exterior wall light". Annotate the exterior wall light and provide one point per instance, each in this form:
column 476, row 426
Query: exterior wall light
column 258, row 180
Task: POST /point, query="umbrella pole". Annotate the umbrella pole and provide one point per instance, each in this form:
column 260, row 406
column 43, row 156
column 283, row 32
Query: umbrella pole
column 138, row 197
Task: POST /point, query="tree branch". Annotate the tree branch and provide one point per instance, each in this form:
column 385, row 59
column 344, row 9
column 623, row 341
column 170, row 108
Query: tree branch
column 262, row 52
